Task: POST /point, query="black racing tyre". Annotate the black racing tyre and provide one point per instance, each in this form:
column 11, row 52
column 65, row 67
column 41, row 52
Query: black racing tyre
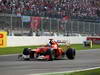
column 70, row 53
column 26, row 51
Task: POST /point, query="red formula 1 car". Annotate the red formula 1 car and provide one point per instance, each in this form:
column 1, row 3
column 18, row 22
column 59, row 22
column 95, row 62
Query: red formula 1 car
column 47, row 53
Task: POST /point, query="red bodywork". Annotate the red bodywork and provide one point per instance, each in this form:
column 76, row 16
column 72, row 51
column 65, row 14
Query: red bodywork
column 58, row 51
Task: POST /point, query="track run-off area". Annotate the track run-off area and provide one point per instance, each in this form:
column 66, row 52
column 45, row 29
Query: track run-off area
column 9, row 65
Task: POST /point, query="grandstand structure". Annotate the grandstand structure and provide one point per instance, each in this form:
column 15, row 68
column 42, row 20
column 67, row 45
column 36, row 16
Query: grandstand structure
column 54, row 17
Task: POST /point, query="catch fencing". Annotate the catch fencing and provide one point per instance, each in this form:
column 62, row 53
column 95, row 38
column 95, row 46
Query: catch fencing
column 44, row 26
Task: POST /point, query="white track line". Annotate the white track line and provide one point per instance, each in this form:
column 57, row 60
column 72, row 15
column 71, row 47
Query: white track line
column 65, row 71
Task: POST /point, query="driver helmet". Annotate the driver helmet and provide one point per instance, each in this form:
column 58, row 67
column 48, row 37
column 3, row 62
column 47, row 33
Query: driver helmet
column 51, row 41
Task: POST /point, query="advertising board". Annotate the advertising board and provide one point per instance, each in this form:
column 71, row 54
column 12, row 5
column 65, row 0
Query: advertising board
column 95, row 40
column 3, row 39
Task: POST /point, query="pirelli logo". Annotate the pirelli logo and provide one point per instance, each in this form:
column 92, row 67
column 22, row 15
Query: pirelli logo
column 3, row 39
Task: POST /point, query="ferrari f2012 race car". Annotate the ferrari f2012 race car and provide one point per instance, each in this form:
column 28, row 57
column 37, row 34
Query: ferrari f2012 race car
column 48, row 52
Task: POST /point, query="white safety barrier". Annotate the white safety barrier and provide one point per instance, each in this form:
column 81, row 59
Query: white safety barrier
column 41, row 40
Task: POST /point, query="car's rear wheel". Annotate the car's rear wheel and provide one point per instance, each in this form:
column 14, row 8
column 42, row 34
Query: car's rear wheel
column 70, row 53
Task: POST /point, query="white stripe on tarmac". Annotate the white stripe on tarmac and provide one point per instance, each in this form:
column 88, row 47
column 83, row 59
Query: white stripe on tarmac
column 65, row 71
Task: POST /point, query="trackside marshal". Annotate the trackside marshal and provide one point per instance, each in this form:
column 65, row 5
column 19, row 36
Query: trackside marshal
column 3, row 39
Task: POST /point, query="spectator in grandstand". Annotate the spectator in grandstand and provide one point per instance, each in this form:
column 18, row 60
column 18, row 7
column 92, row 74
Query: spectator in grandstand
column 51, row 8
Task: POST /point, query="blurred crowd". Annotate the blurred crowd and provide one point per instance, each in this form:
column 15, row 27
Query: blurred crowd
column 51, row 8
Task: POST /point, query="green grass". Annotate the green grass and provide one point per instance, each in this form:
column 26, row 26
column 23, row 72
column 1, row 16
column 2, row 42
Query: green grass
column 14, row 50
column 88, row 72
column 81, row 47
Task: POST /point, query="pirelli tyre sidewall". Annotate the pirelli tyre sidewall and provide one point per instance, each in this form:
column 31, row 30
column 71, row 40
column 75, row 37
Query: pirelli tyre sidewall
column 70, row 53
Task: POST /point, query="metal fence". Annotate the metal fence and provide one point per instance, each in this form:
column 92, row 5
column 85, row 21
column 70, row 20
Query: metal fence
column 15, row 25
column 69, row 27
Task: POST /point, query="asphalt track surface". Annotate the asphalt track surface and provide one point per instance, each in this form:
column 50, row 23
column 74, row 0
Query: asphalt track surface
column 9, row 65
